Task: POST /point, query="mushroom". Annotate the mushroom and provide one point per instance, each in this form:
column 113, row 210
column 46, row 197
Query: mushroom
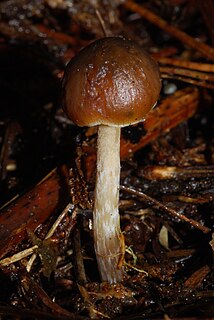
column 111, row 83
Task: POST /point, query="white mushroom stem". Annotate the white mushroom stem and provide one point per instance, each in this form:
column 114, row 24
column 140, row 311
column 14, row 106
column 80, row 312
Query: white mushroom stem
column 107, row 234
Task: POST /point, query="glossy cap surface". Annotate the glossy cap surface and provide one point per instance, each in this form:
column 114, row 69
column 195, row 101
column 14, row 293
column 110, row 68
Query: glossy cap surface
column 113, row 81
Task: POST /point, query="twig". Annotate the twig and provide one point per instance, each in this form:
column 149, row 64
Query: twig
column 168, row 210
column 203, row 48
column 170, row 172
column 188, row 73
column 68, row 208
column 102, row 23
column 79, row 259
column 205, row 67
column 18, row 256
column 188, row 80
column 199, row 78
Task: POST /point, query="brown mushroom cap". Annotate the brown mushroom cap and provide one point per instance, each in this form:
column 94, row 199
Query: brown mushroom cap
column 111, row 82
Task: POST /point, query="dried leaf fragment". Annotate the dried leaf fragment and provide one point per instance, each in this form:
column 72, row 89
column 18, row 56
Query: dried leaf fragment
column 47, row 251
